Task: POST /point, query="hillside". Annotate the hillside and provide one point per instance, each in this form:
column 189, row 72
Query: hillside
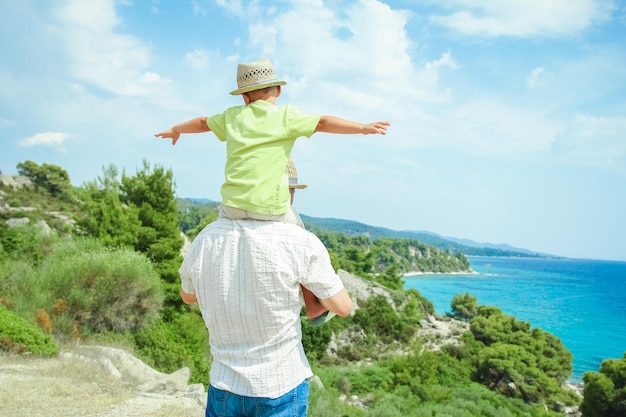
column 353, row 228
column 113, row 243
column 464, row 246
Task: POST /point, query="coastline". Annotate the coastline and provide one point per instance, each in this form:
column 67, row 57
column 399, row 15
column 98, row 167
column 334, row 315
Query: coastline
column 413, row 274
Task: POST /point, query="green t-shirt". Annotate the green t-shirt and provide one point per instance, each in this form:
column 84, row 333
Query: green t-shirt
column 259, row 138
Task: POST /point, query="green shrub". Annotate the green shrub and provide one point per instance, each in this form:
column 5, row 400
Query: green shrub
column 324, row 402
column 20, row 336
column 26, row 243
column 605, row 391
column 16, row 284
column 369, row 378
column 102, row 289
column 182, row 341
column 315, row 340
column 518, row 361
column 418, row 367
column 451, row 401
column 377, row 316
column 400, row 403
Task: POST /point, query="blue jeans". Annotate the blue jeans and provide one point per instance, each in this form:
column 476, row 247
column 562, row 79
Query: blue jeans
column 222, row 403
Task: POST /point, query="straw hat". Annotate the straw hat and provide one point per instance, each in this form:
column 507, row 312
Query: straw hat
column 255, row 75
column 293, row 175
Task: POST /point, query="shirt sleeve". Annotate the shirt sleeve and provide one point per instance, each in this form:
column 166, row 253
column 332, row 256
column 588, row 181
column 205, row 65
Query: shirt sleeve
column 217, row 124
column 320, row 277
column 190, row 269
column 301, row 123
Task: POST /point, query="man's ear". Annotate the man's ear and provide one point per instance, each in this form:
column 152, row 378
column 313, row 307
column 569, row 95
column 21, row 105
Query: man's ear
column 278, row 90
column 246, row 98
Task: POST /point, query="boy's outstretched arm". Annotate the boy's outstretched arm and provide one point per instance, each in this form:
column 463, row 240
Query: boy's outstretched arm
column 331, row 124
column 197, row 125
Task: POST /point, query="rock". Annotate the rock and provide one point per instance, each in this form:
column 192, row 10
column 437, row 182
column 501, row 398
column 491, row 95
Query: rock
column 186, row 244
column 438, row 332
column 361, row 289
column 107, row 382
column 17, row 221
column 67, row 220
column 43, row 226
column 172, row 384
column 332, row 348
column 354, row 400
column 315, row 380
column 576, row 387
column 15, row 182
column 147, row 380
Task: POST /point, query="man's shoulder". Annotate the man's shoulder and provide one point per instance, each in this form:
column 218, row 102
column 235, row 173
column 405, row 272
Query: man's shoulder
column 216, row 227
column 276, row 229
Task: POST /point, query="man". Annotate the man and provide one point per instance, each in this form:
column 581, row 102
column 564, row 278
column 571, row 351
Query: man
column 246, row 276
column 315, row 311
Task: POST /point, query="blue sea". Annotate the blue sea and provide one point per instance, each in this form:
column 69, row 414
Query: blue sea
column 582, row 302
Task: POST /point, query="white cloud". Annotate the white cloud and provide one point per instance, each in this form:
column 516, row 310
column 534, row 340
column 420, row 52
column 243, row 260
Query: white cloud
column 597, row 142
column 113, row 62
column 534, row 78
column 366, row 38
column 495, row 129
column 54, row 140
column 96, row 16
column 235, row 7
column 150, row 77
column 197, row 8
column 523, row 18
column 198, row 59
column 356, row 55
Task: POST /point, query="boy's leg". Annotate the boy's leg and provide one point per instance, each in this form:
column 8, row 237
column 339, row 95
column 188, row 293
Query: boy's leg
column 315, row 311
column 312, row 304
column 234, row 213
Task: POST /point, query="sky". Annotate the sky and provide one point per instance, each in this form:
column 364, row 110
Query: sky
column 508, row 117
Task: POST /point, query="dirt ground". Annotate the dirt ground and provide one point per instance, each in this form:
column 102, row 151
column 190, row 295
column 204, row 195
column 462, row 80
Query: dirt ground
column 75, row 386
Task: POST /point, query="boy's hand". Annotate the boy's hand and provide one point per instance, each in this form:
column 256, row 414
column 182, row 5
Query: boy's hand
column 169, row 134
column 376, row 128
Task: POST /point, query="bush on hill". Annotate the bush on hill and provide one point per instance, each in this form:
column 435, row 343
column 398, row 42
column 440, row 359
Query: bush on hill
column 509, row 357
column 18, row 335
column 83, row 287
column 100, row 289
column 605, row 391
column 179, row 342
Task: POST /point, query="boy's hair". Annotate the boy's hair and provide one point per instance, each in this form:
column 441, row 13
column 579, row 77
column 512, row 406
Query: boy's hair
column 262, row 93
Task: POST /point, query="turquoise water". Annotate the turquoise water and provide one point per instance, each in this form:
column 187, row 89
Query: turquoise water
column 582, row 302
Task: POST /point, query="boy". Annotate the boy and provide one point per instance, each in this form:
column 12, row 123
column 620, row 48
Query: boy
column 259, row 136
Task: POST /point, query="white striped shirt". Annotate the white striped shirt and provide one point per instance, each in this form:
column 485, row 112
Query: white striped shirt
column 246, row 275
